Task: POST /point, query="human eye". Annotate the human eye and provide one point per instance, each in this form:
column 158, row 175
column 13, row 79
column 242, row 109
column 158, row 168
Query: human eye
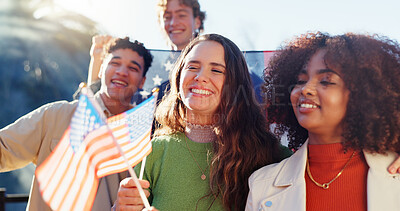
column 114, row 63
column 217, row 71
column 167, row 17
column 182, row 14
column 327, row 80
column 135, row 69
column 191, row 67
column 300, row 82
column 326, row 83
column 301, row 79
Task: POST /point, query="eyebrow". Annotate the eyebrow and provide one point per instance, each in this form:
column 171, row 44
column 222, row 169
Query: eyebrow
column 321, row 71
column 177, row 11
column 327, row 71
column 132, row 61
column 212, row 63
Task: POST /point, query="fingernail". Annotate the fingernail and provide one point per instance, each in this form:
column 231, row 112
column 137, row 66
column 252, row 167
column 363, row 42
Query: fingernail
column 392, row 170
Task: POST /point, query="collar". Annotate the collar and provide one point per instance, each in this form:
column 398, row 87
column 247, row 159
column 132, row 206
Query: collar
column 294, row 168
column 102, row 106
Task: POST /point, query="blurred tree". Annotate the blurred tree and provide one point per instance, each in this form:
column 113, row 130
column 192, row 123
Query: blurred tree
column 44, row 55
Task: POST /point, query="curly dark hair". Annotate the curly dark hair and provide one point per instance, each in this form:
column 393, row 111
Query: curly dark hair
column 370, row 67
column 244, row 143
column 124, row 43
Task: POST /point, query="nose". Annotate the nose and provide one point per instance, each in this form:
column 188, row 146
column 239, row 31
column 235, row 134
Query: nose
column 202, row 76
column 308, row 89
column 173, row 20
column 122, row 70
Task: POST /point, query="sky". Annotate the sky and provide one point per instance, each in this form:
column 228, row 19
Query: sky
column 251, row 24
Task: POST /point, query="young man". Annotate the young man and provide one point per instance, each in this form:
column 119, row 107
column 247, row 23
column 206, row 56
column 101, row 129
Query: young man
column 180, row 20
column 33, row 137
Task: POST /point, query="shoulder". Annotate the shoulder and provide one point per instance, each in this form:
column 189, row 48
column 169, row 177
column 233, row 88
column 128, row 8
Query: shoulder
column 165, row 143
column 167, row 139
column 59, row 106
column 267, row 173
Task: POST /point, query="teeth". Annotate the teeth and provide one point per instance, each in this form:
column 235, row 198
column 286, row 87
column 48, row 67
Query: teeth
column 120, row 82
column 307, row 106
column 176, row 31
column 201, row 91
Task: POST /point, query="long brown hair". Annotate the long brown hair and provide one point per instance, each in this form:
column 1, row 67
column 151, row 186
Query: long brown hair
column 243, row 142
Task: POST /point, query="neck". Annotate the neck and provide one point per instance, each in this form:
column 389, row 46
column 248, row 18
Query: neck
column 200, row 133
column 314, row 138
column 115, row 106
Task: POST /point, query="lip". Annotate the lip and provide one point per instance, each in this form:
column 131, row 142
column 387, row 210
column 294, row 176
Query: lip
column 176, row 31
column 119, row 83
column 307, row 106
column 200, row 91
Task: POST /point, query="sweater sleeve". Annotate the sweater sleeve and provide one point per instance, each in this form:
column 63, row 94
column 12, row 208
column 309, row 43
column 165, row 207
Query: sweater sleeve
column 22, row 141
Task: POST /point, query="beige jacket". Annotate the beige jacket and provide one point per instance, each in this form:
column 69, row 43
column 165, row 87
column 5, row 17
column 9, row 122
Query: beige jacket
column 32, row 138
column 282, row 186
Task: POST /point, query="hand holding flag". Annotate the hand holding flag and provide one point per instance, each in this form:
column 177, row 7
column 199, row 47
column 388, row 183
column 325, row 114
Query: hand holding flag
column 68, row 179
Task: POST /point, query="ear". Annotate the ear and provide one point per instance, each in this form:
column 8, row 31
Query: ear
column 197, row 22
column 142, row 82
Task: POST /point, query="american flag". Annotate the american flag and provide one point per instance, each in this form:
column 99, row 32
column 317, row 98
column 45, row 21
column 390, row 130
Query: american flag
column 68, row 179
column 134, row 124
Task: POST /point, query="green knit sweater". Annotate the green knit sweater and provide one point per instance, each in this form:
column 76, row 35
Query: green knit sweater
column 175, row 179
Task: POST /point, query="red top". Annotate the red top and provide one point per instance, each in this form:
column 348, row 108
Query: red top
column 348, row 191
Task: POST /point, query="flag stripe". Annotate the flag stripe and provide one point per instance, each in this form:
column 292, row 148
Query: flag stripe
column 134, row 155
column 85, row 162
column 133, row 148
column 68, row 178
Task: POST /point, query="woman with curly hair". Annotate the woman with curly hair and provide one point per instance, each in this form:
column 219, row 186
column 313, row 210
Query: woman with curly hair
column 338, row 99
column 213, row 134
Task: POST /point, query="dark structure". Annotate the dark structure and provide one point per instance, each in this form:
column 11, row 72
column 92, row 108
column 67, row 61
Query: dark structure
column 44, row 55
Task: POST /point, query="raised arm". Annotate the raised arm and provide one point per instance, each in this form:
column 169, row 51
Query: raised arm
column 96, row 56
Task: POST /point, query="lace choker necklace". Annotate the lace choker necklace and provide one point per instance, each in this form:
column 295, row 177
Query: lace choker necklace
column 200, row 133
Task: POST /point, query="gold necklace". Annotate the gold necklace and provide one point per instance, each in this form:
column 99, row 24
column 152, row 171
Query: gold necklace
column 203, row 176
column 326, row 185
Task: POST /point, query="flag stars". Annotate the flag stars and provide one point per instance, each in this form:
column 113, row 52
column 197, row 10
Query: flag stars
column 157, row 80
column 252, row 67
column 168, row 66
column 145, row 94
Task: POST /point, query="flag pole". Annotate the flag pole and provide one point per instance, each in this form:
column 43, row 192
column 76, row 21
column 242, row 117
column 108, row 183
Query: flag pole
column 130, row 169
column 145, row 158
column 142, row 167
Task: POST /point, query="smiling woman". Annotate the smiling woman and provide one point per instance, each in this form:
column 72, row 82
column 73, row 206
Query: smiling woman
column 341, row 115
column 212, row 134
column 202, row 79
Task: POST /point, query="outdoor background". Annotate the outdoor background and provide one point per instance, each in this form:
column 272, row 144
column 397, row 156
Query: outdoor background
column 44, row 44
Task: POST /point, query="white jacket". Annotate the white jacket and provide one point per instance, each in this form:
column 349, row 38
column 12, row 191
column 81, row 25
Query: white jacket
column 282, row 186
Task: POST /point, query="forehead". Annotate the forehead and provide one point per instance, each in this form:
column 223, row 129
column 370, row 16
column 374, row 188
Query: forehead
column 177, row 6
column 126, row 55
column 208, row 52
column 316, row 62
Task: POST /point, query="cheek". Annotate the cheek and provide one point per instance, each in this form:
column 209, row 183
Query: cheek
column 294, row 96
column 182, row 84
